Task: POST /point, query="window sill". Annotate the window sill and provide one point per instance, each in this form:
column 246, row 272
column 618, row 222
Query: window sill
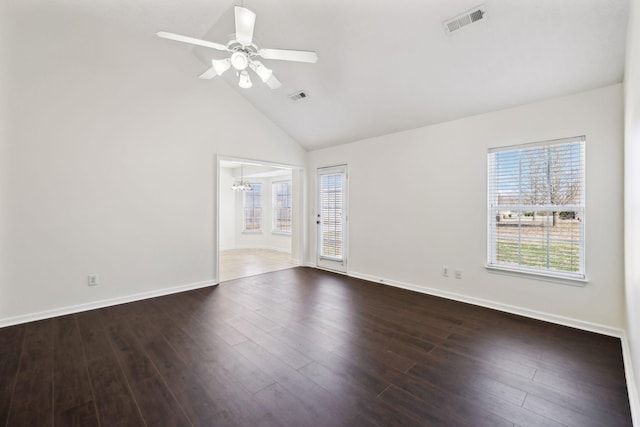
column 281, row 233
column 252, row 232
column 546, row 277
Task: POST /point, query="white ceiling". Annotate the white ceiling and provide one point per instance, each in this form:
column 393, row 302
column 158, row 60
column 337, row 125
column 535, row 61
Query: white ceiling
column 388, row 65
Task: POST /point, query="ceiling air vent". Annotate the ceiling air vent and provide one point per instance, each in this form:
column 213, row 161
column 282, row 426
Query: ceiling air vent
column 296, row 96
column 469, row 17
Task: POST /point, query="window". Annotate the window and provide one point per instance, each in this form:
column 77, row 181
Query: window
column 252, row 206
column 536, row 208
column 281, row 194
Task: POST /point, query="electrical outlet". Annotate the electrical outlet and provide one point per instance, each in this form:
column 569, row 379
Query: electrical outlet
column 458, row 274
column 92, row 280
column 445, row 271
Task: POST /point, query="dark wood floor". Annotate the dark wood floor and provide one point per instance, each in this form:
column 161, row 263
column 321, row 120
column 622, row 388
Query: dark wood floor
column 304, row 347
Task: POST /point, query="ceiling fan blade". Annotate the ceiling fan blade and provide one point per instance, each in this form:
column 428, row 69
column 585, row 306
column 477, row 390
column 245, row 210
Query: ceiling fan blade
column 191, row 40
column 245, row 21
column 218, row 67
column 209, row 74
column 289, row 55
column 273, row 83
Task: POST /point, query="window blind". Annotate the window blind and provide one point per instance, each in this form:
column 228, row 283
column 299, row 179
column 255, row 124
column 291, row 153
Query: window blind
column 331, row 215
column 281, row 201
column 536, row 207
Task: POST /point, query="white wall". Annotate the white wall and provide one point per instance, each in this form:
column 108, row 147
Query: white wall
column 418, row 202
column 110, row 160
column 632, row 191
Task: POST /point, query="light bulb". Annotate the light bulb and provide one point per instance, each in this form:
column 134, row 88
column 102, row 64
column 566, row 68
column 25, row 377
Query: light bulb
column 239, row 60
column 245, row 81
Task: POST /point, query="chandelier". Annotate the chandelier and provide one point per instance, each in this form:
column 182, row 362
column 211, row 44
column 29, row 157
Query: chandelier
column 241, row 185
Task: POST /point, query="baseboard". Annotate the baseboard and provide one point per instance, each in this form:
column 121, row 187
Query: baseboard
column 8, row 321
column 538, row 315
column 268, row 248
column 634, row 401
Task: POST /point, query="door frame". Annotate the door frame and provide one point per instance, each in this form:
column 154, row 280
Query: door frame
column 343, row 267
column 299, row 223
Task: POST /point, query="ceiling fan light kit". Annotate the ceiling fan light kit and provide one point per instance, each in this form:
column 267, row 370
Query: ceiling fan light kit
column 263, row 72
column 243, row 51
column 239, row 60
column 245, row 81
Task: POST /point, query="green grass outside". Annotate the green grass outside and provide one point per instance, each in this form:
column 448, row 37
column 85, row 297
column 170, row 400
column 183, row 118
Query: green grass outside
column 562, row 256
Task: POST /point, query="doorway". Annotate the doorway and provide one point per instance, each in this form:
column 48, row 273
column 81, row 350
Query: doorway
column 258, row 218
column 331, row 218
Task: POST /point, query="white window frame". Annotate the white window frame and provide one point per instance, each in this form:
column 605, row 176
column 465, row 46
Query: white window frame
column 276, row 210
column 519, row 205
column 244, row 208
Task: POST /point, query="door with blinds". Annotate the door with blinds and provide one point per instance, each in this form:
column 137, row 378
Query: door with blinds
column 331, row 218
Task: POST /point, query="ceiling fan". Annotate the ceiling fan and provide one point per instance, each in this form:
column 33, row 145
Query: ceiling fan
column 244, row 52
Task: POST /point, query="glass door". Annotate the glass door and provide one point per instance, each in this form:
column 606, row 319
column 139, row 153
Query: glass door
column 331, row 218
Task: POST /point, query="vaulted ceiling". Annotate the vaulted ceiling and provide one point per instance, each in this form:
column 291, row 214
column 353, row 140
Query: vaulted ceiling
column 389, row 65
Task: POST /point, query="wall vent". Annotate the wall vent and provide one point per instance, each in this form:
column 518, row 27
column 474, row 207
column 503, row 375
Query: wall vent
column 474, row 15
column 296, row 96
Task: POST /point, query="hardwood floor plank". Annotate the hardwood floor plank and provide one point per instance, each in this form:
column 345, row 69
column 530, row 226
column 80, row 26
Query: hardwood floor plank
column 31, row 403
column 347, row 365
column 72, row 394
column 336, row 341
column 563, row 414
column 93, row 335
column 114, row 402
column 421, row 410
column 312, row 395
column 381, row 413
column 288, row 410
column 206, row 352
column 411, row 348
column 474, row 409
column 508, row 386
column 307, row 347
column 11, row 341
column 599, row 404
column 260, row 321
column 135, row 364
column 80, row 415
column 515, row 363
column 240, row 404
column 38, row 346
column 281, row 350
column 199, row 405
column 517, row 414
column 466, row 380
column 607, row 395
column 337, row 384
column 157, row 404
